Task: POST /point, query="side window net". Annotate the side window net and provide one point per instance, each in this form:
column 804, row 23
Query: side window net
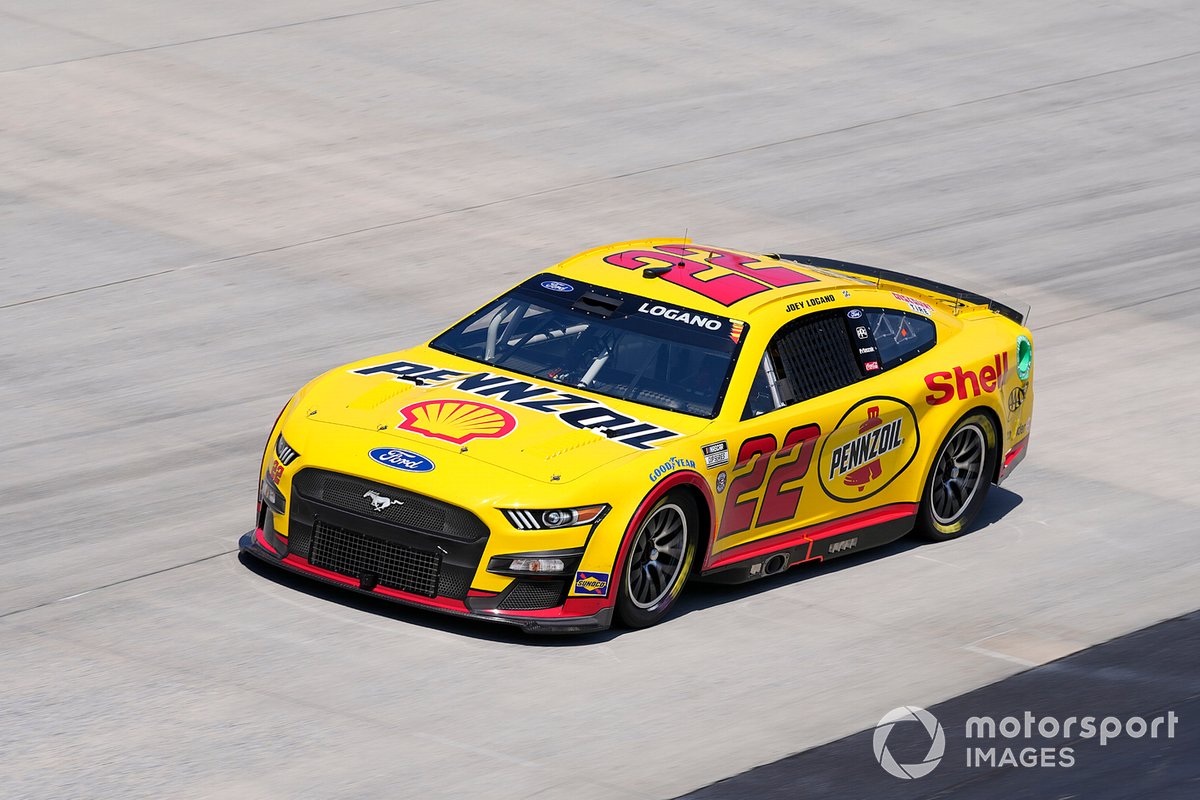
column 807, row 358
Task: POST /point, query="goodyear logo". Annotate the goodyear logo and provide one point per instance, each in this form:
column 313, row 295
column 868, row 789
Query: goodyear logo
column 595, row 583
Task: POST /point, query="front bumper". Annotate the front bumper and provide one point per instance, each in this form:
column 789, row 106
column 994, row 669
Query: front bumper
column 575, row 615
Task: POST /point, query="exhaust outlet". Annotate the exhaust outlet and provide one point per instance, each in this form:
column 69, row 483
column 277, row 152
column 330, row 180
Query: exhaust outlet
column 776, row 563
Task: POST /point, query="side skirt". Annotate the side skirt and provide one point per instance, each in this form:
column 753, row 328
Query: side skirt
column 820, row 543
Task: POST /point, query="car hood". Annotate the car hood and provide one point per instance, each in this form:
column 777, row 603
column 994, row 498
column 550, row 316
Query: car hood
column 426, row 401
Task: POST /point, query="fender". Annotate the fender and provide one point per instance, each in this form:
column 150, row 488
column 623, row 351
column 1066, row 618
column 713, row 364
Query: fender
column 668, row 483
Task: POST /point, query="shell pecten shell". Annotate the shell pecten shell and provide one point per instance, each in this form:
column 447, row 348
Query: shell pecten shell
column 457, row 421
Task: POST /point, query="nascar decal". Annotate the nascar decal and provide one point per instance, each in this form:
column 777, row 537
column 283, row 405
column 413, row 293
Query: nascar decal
column 572, row 409
column 592, row 583
column 670, row 465
column 871, row 446
column 966, row 383
column 457, row 421
column 720, row 275
column 715, row 454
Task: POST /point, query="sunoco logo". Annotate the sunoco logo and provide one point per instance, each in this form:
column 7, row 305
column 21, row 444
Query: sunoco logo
column 873, row 443
column 937, row 742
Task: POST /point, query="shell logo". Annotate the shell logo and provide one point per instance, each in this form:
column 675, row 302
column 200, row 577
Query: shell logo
column 457, row 421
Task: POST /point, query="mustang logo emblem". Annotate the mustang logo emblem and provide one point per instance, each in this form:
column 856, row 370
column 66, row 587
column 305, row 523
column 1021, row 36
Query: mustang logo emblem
column 381, row 503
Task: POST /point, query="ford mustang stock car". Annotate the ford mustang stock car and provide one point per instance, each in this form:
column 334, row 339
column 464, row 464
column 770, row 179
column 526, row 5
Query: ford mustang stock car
column 642, row 414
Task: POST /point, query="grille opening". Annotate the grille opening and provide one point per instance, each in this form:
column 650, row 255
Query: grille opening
column 374, row 560
column 533, row 595
column 407, row 509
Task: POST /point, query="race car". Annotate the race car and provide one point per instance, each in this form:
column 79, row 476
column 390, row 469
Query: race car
column 644, row 414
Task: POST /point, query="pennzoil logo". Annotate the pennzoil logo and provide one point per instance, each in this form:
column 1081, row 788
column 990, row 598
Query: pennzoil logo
column 572, row 409
column 457, row 421
column 873, row 443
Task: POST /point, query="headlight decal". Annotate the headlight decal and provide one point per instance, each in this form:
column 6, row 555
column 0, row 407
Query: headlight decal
column 284, row 451
column 553, row 518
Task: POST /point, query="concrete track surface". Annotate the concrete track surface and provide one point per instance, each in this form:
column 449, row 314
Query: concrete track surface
column 206, row 203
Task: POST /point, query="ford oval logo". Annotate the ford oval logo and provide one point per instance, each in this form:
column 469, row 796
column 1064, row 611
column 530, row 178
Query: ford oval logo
column 557, row 286
column 405, row 460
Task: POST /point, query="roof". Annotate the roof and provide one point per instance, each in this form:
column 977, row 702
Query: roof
column 715, row 280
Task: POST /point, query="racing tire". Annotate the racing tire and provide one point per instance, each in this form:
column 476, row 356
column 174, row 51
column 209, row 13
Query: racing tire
column 959, row 479
column 658, row 561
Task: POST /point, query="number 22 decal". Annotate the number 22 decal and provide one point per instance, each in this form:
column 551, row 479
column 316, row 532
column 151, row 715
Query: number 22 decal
column 789, row 464
column 736, row 279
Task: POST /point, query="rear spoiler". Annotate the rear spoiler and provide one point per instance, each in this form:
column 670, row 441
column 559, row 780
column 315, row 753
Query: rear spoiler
column 880, row 274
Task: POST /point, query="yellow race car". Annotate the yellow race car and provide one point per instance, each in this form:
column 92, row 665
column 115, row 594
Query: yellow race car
column 643, row 414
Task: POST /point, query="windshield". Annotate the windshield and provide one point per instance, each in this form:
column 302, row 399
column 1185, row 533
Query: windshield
column 618, row 345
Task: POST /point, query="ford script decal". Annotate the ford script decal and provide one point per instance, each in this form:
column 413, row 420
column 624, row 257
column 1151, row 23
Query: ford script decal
column 405, row 460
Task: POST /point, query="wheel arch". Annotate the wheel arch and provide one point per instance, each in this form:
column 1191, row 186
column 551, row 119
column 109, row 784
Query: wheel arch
column 694, row 484
column 999, row 446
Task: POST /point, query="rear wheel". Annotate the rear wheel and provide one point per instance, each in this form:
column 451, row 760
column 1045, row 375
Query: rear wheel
column 659, row 559
column 960, row 478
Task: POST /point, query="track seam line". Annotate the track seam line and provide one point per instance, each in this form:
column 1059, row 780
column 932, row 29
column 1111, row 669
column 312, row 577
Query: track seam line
column 1116, row 308
column 202, row 39
column 90, row 288
column 118, row 583
column 592, row 181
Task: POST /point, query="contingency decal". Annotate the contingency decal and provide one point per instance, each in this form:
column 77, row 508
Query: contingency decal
column 592, row 583
column 571, row 409
column 457, row 421
column 871, row 446
column 715, row 454
column 919, row 306
column 719, row 275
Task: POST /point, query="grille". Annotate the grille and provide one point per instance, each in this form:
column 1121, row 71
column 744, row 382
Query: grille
column 353, row 554
column 299, row 538
column 532, row 595
column 454, row 581
column 407, row 509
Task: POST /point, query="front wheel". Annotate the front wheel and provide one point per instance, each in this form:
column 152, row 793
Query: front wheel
column 659, row 559
column 960, row 478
